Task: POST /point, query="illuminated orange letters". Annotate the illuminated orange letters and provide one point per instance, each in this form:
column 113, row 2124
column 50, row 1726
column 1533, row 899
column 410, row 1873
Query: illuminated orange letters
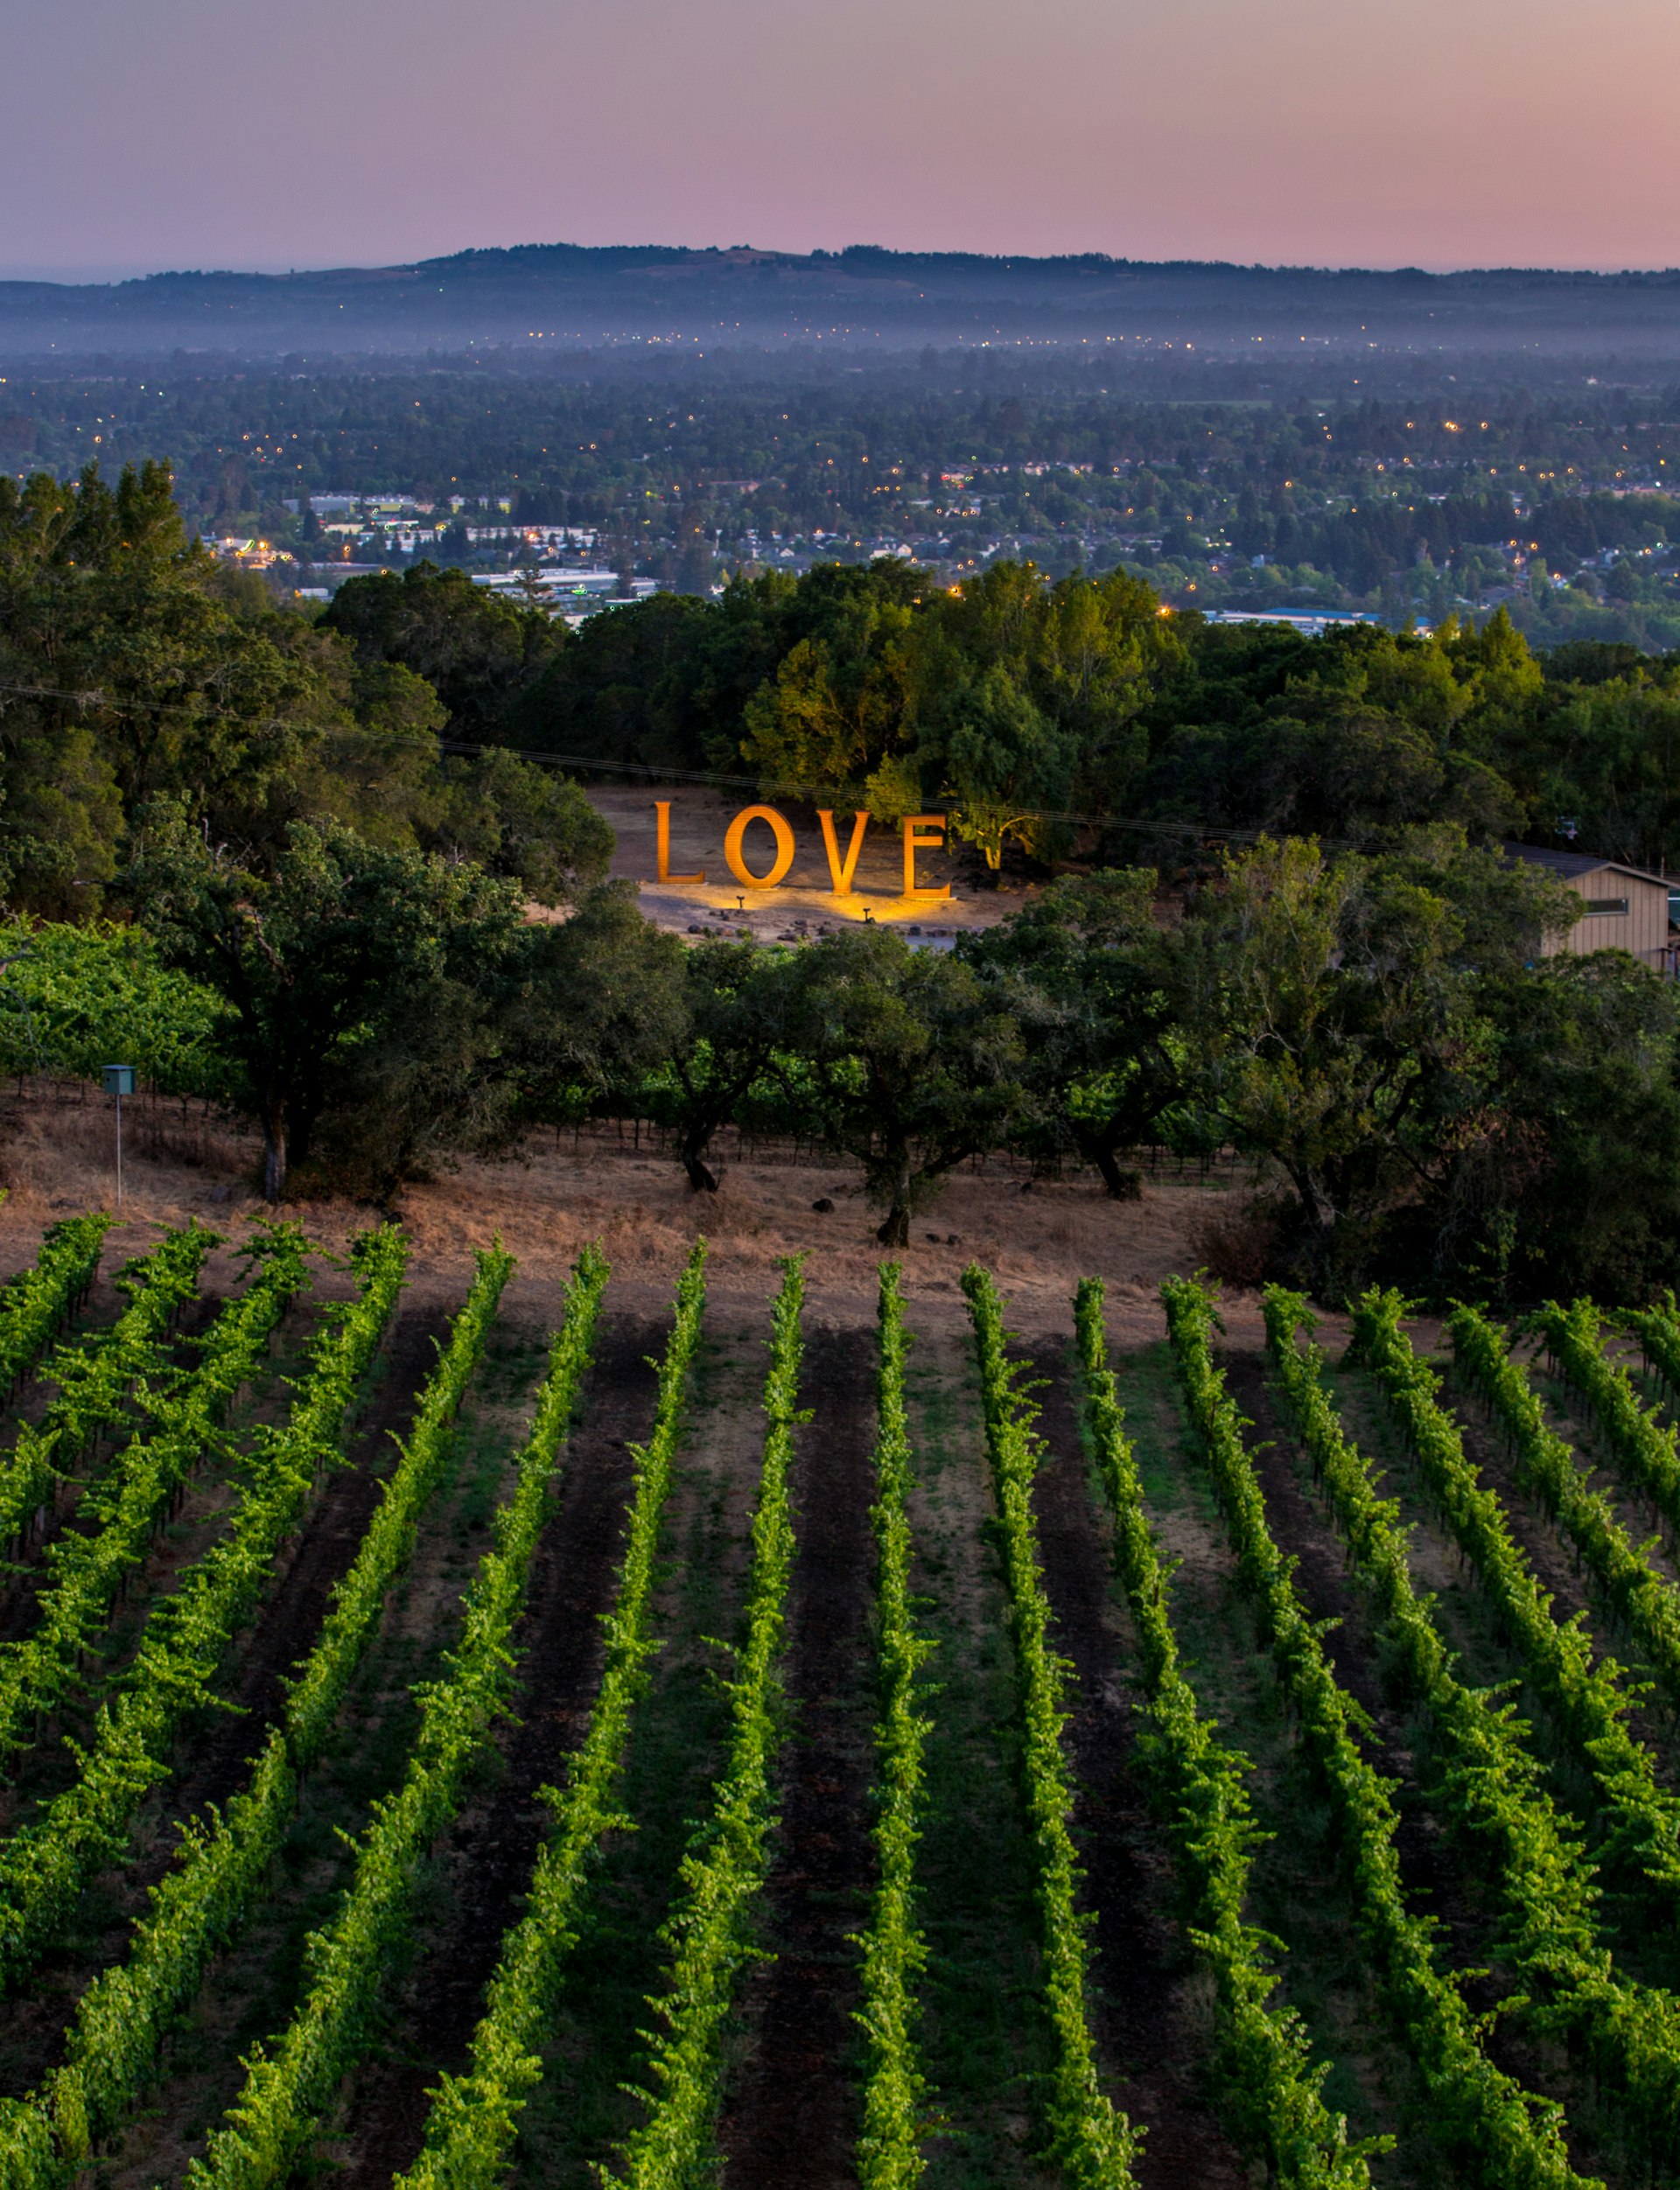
column 841, row 871
column 916, row 840
column 663, row 813
column 784, row 857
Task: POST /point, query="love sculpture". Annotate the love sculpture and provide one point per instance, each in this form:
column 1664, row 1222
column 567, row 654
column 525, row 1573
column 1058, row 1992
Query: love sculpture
column 922, row 832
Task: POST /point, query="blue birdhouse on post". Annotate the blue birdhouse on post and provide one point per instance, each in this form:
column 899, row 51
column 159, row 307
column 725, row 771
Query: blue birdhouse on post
column 119, row 1082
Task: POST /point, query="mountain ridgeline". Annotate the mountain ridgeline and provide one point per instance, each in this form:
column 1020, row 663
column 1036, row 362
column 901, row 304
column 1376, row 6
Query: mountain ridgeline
column 568, row 295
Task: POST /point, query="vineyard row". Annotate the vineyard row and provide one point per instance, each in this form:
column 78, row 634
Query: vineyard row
column 1562, row 1884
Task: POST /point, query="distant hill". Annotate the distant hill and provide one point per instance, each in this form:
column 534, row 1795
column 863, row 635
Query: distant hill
column 567, row 295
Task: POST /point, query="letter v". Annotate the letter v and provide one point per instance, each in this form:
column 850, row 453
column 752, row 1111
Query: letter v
column 840, row 873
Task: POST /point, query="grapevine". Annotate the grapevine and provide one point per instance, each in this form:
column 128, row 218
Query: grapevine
column 1503, row 2136
column 474, row 2118
column 1643, row 1601
column 1644, row 1448
column 1657, row 1329
column 1493, row 1784
column 288, row 2087
column 36, row 1673
column 39, row 1300
column 722, row 1873
column 1095, row 2143
column 95, row 1378
column 116, row 2041
column 1273, row 2087
column 889, row 2153
column 44, row 1865
column 1589, row 1700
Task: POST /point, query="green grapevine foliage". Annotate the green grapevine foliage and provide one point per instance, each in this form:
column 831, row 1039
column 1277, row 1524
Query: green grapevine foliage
column 95, row 1377
column 889, row 2153
column 1095, row 2145
column 1501, row 2136
column 44, row 1865
column 722, row 1872
column 1271, row 2087
column 474, row 2118
column 36, row 1673
column 35, row 1303
column 1589, row 1700
column 1645, row 1449
column 85, row 993
column 1494, row 1787
column 288, row 2087
column 116, row 2041
column 1657, row 1329
column 1643, row 1601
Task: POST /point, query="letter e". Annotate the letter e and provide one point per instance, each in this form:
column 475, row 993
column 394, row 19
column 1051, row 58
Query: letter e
column 916, row 839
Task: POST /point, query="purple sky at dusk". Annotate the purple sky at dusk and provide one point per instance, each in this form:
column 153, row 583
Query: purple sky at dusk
column 141, row 134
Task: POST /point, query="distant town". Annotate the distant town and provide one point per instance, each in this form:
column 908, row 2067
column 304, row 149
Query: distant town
column 1564, row 514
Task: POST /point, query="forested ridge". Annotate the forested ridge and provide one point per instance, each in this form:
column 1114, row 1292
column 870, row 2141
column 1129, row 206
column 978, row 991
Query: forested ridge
column 283, row 856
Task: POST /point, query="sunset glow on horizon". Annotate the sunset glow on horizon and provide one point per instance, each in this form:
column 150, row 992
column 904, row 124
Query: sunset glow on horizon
column 214, row 133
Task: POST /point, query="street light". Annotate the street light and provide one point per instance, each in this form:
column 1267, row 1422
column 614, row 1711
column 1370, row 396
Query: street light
column 119, row 1082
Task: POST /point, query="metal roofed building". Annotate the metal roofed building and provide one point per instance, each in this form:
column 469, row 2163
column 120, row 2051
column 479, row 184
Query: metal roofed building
column 1307, row 623
column 1624, row 908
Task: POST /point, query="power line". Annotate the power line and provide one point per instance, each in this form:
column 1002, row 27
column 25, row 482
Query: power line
column 710, row 779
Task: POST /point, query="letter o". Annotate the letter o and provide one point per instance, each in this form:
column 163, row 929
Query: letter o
column 784, row 857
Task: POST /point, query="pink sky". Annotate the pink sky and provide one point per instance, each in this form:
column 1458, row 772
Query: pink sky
column 153, row 133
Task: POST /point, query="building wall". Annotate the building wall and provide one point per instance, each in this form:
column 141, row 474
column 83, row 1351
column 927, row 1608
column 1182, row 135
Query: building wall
column 1643, row 930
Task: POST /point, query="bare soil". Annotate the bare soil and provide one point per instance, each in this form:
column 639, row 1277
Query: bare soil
column 1154, row 2010
column 1038, row 1237
column 792, row 2115
column 953, row 897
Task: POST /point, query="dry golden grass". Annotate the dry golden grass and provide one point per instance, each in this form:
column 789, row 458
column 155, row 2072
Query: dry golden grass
column 546, row 1200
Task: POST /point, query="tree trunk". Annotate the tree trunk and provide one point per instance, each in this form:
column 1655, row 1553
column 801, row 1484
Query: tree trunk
column 302, row 1115
column 1122, row 1186
column 1322, row 1220
column 895, row 1231
column 274, row 1162
column 1319, row 1209
column 702, row 1178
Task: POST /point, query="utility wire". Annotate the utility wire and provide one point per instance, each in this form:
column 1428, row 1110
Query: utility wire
column 645, row 771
